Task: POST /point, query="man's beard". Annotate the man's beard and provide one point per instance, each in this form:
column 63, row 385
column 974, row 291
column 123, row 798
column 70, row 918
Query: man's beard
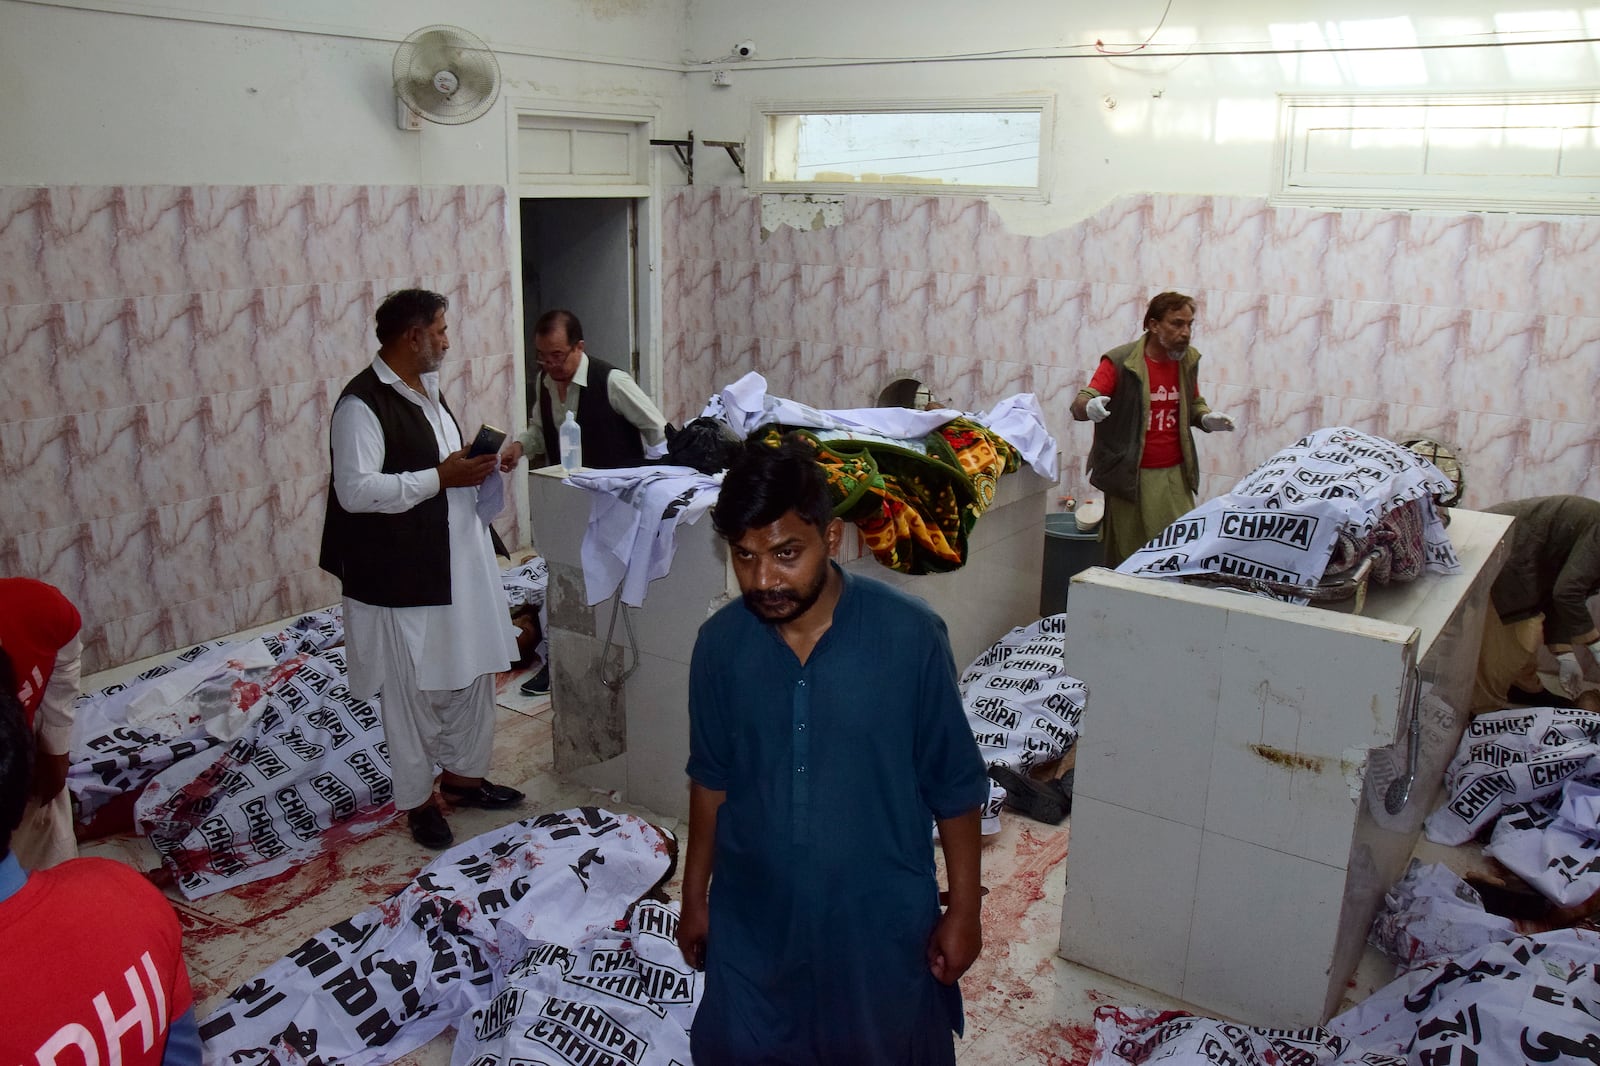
column 784, row 605
column 431, row 358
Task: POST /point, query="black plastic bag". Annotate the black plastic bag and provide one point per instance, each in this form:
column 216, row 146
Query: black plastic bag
column 707, row 444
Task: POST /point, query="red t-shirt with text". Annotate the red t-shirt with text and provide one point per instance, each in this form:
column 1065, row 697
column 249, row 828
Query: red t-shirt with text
column 1161, row 445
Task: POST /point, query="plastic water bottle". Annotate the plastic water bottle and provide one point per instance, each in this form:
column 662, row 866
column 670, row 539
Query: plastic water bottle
column 571, row 437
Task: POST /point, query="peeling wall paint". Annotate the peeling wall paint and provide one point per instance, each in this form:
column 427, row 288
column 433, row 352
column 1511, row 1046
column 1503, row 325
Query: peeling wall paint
column 804, row 212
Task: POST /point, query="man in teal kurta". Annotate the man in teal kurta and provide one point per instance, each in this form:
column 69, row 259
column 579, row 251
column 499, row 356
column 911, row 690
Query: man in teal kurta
column 826, row 738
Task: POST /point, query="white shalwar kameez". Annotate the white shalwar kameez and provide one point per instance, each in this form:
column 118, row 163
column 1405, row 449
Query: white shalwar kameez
column 435, row 665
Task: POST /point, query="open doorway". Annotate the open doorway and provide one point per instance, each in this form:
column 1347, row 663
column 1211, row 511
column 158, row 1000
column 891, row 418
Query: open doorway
column 581, row 254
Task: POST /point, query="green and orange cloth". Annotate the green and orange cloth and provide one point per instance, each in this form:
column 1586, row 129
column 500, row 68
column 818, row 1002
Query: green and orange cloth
column 915, row 508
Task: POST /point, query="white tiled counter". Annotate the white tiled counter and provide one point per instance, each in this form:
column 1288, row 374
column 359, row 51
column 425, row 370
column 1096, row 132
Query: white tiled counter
column 635, row 738
column 1230, row 842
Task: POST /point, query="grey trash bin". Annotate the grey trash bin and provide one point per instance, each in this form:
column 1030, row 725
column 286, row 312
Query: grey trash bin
column 1066, row 552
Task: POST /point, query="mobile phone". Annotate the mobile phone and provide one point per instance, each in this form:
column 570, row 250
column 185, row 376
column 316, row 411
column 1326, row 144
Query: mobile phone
column 487, row 442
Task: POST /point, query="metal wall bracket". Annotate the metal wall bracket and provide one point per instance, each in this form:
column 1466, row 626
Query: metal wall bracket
column 684, row 150
column 735, row 150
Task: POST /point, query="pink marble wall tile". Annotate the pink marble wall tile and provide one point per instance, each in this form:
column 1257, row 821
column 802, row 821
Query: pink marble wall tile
column 1229, row 256
column 60, row 557
column 1358, row 345
column 485, row 215
column 1563, row 380
column 906, row 311
column 1235, row 454
column 735, row 224
column 732, row 299
column 299, row 507
column 818, row 367
column 1426, row 360
column 24, row 223
column 121, row 560
column 866, row 293
column 1360, row 265
column 151, row 234
column 1494, row 448
column 773, row 307
column 862, row 242
column 100, row 475
column 780, row 362
column 335, row 215
column 92, row 358
column 954, row 308
column 1294, row 258
column 219, row 331
column 1430, row 266
column 1502, row 351
column 1001, row 252
column 245, row 522
column 1292, row 329
column 295, row 419
column 179, row 626
column 1114, row 237
column 1567, row 281
column 867, row 372
column 1559, row 458
column 342, row 339
column 240, row 419
column 815, row 247
column 955, row 231
column 696, row 222
column 1056, row 387
column 816, row 311
column 287, row 596
column 32, row 337
column 282, row 344
column 691, row 378
column 490, row 393
column 388, row 227
column 187, row 550
column 734, row 357
column 1436, row 422
column 957, row 381
column 1002, row 378
column 169, row 445
column 1506, row 272
column 1053, row 331
column 489, row 311
column 11, row 563
column 78, row 239
column 1176, row 231
column 437, row 229
column 215, row 236
column 279, row 225
column 1005, row 309
column 1279, row 418
column 1070, row 254
column 1367, row 415
column 1112, row 315
column 1228, row 333
column 694, row 290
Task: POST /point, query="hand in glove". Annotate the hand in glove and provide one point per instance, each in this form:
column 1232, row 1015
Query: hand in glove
column 1212, row 422
column 1098, row 409
column 1571, row 674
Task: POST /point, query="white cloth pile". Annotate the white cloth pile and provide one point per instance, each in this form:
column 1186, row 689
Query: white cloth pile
column 617, row 996
column 1023, row 706
column 1018, row 420
column 1534, row 775
column 1280, row 522
column 378, row 985
column 634, row 515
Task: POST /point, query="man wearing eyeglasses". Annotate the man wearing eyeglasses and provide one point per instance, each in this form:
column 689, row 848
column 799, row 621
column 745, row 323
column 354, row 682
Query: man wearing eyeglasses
column 618, row 420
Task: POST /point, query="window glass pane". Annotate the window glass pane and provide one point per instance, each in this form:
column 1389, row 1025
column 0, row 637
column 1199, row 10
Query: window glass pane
column 991, row 148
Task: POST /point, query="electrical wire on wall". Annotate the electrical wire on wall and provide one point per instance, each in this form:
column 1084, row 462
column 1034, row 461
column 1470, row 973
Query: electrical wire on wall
column 1100, row 45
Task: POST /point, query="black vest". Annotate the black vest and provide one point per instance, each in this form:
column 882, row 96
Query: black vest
column 392, row 560
column 609, row 440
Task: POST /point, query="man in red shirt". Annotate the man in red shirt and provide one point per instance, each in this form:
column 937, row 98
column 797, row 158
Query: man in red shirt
column 93, row 969
column 1144, row 400
column 39, row 639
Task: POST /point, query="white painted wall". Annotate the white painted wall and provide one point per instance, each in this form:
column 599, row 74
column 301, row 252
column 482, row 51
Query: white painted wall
column 255, row 92
column 1181, row 124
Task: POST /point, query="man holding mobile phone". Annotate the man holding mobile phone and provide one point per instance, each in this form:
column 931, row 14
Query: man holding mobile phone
column 425, row 617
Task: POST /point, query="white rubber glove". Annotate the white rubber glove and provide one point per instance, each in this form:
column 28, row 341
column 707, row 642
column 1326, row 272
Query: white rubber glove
column 1571, row 674
column 1212, row 422
column 1098, row 409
